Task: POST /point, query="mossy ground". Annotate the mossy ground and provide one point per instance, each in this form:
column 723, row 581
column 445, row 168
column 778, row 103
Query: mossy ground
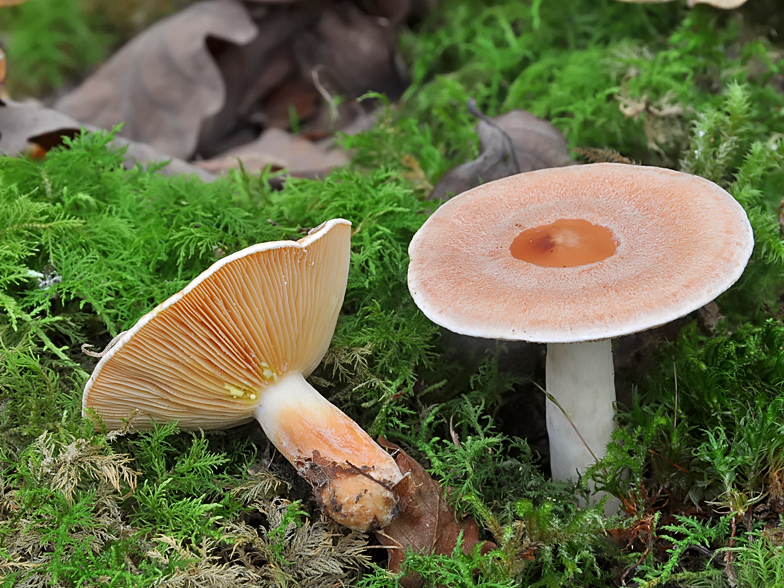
column 86, row 248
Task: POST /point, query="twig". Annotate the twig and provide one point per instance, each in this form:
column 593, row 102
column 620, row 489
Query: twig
column 361, row 472
column 645, row 554
column 728, row 557
column 106, row 349
column 453, row 433
column 552, row 399
column 398, row 546
column 328, row 98
column 672, row 463
column 675, row 416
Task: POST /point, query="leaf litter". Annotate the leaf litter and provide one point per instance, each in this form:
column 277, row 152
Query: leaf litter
column 209, row 80
column 427, row 524
column 512, row 143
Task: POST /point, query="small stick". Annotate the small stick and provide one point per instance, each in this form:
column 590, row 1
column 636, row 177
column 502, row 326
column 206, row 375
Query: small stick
column 672, row 463
column 675, row 416
column 552, row 399
column 453, row 433
column 106, row 349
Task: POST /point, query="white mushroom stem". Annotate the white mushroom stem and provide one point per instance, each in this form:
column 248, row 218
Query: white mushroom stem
column 351, row 475
column 580, row 376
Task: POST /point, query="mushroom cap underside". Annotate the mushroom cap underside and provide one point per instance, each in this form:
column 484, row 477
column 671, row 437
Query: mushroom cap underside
column 676, row 242
column 204, row 356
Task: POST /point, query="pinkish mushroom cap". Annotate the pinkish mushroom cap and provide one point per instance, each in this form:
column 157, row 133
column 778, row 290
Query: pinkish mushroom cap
column 572, row 257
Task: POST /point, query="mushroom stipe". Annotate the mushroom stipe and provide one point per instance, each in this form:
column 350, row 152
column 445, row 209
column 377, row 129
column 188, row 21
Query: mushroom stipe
column 237, row 344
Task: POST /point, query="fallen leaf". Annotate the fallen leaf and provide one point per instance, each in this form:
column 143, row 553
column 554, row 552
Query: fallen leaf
column 353, row 49
column 253, row 71
column 33, row 130
column 291, row 101
column 164, row 82
column 427, row 523
column 395, row 11
column 21, row 122
column 512, row 143
column 602, row 155
column 145, row 155
column 281, row 150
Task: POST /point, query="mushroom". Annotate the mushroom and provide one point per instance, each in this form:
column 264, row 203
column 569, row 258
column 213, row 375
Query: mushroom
column 573, row 257
column 237, row 344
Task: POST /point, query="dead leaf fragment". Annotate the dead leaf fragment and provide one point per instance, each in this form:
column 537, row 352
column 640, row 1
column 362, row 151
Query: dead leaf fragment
column 163, row 83
column 781, row 218
column 33, row 130
column 281, row 150
column 427, row 523
column 512, row 143
column 145, row 155
column 355, row 51
column 251, row 72
column 21, row 122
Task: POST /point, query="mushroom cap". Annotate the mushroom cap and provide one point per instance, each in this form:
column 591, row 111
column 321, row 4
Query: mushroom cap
column 204, row 356
column 680, row 241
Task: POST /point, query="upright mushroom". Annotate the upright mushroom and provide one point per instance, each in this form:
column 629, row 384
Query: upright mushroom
column 572, row 257
column 237, row 344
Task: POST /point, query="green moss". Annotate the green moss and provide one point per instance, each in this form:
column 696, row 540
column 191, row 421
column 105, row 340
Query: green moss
column 48, row 40
column 87, row 247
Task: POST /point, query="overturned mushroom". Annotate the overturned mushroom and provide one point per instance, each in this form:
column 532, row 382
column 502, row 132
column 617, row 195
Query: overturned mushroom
column 572, row 257
column 237, row 344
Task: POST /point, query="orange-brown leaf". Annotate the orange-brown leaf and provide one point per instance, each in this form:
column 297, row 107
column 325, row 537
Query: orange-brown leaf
column 427, row 523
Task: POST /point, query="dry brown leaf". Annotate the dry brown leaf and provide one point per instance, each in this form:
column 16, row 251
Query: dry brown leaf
column 537, row 145
column 354, row 50
column 395, row 11
column 427, row 523
column 251, row 72
column 164, row 83
column 142, row 153
column 20, row 123
column 292, row 100
column 32, row 129
column 281, row 150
